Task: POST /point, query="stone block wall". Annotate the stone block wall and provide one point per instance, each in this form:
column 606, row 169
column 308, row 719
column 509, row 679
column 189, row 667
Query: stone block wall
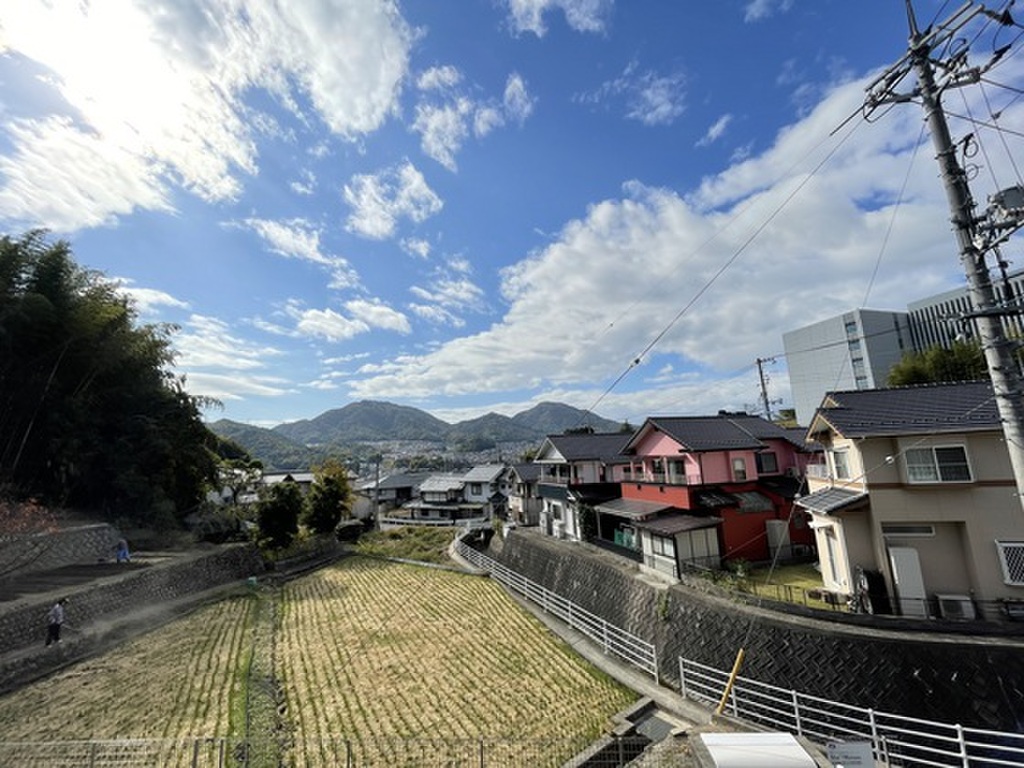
column 100, row 608
column 46, row 551
column 973, row 681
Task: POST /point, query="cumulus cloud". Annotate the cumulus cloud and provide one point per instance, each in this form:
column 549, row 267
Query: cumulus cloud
column 580, row 15
column 380, row 200
column 151, row 96
column 445, row 115
column 673, row 290
column 147, row 300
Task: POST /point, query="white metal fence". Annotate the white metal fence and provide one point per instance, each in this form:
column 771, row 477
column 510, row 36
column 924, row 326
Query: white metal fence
column 896, row 740
column 628, row 647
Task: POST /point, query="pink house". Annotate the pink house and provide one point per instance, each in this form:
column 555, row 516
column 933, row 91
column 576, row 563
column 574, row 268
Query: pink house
column 733, row 474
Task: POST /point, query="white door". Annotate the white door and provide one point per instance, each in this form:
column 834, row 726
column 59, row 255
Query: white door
column 908, row 581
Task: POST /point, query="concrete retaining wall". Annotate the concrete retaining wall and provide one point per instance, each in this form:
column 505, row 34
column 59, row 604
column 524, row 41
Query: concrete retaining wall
column 973, row 681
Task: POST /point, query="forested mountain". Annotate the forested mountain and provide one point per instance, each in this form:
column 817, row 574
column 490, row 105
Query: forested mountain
column 275, row 450
column 342, row 430
column 366, row 420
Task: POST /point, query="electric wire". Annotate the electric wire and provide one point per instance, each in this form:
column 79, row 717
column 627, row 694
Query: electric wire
column 637, row 359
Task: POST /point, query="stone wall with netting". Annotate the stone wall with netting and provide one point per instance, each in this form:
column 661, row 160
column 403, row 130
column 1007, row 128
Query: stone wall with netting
column 971, row 680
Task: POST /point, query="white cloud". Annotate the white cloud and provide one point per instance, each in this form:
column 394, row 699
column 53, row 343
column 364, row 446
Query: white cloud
column 756, row 10
column 444, row 115
column 147, row 300
column 649, row 97
column 416, row 247
column 376, row 314
column 581, row 15
column 712, row 279
column 153, row 95
column 379, row 201
column 328, row 324
column 306, row 185
column 299, row 239
column 518, row 102
column 716, row 131
column 207, row 342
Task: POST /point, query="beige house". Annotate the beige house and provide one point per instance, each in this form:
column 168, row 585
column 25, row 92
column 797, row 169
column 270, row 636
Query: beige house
column 917, row 496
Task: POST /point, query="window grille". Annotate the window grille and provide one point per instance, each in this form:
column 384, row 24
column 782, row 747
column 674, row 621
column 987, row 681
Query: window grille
column 1011, row 557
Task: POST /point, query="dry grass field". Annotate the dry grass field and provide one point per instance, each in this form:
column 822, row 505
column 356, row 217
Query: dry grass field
column 367, row 652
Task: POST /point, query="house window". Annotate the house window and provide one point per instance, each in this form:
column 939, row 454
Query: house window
column 662, row 546
column 767, row 463
column 947, row 464
column 739, row 469
column 476, row 489
column 1011, row 557
column 841, row 464
column 556, row 511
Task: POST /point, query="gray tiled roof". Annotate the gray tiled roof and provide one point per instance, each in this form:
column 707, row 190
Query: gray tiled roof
column 528, row 472
column 718, row 433
column 483, row 473
column 601, row 446
column 634, row 509
column 928, row 408
column 672, row 523
column 829, row 500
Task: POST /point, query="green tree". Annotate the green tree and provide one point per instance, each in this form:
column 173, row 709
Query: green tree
column 90, row 414
column 963, row 361
column 329, row 499
column 278, row 514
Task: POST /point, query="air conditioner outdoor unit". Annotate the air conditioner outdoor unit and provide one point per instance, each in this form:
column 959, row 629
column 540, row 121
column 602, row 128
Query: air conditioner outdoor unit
column 956, row 607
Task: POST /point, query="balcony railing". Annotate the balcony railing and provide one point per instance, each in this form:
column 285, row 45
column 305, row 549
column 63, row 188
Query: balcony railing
column 817, row 471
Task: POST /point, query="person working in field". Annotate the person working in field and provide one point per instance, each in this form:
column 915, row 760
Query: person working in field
column 123, row 555
column 54, row 621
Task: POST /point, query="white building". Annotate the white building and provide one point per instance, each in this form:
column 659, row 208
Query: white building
column 854, row 350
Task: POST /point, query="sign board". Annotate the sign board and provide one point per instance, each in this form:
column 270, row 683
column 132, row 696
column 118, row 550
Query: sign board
column 850, row 754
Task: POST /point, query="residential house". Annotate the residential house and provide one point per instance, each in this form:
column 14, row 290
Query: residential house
column 576, row 472
column 487, row 485
column 386, row 493
column 700, row 489
column 917, row 494
column 524, row 501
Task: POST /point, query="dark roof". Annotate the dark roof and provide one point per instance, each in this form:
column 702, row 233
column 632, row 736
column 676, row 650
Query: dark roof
column 829, row 500
column 671, row 524
column 634, row 509
column 528, row 472
column 601, row 446
column 929, row 408
column 724, row 432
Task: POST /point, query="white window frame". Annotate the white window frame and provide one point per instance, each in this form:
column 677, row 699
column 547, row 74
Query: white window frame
column 936, row 466
column 846, row 474
column 1011, row 559
column 663, row 545
column 739, row 469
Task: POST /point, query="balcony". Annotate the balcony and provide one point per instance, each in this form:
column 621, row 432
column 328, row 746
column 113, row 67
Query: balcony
column 817, row 471
column 667, row 478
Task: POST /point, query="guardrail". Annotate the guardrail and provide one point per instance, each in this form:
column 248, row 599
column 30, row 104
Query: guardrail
column 628, row 647
column 895, row 739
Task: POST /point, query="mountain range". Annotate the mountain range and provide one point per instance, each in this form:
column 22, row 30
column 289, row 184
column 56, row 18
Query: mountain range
column 358, row 427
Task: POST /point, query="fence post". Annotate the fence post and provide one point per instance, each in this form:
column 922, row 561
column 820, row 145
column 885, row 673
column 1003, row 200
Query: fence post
column 682, row 678
column 962, row 741
column 481, row 752
column 875, row 740
column 657, row 671
column 796, row 713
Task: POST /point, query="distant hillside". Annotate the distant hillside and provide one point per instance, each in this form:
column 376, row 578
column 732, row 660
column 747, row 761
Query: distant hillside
column 555, row 418
column 366, row 420
column 302, row 443
column 274, row 450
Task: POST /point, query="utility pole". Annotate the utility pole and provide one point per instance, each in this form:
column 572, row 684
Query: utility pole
column 975, row 235
column 765, row 402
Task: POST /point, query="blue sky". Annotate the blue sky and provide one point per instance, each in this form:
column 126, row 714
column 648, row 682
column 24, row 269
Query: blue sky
column 480, row 205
